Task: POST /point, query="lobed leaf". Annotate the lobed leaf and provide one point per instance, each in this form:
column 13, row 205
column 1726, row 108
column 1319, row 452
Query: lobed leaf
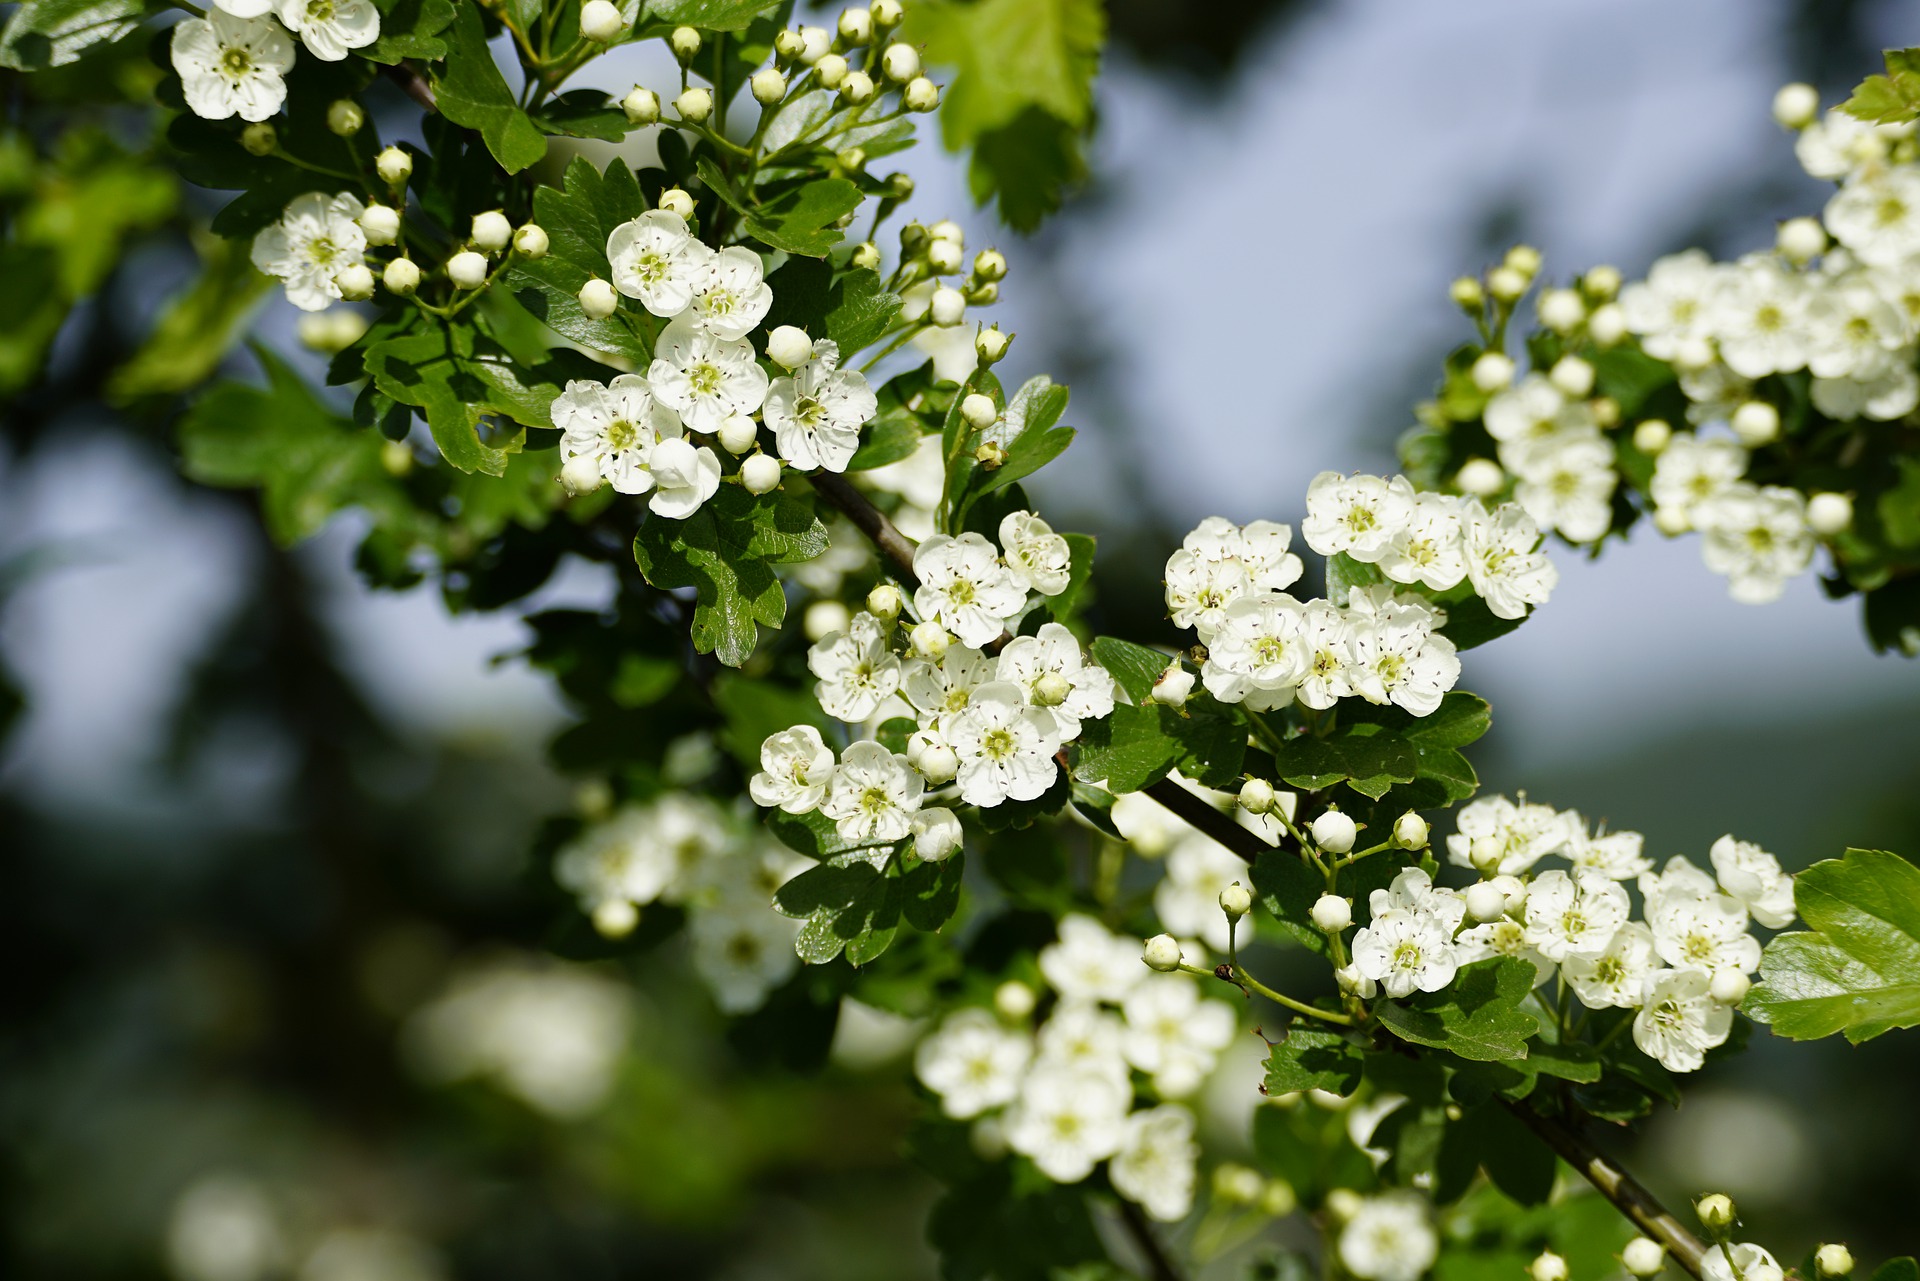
column 1857, row 971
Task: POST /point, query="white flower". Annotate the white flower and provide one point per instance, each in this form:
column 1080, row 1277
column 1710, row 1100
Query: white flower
column 1398, row 659
column 1173, row 1035
column 1090, row 963
column 856, row 669
column 1200, row 590
column 1671, row 308
column 942, row 690
column 1568, row 915
column 1838, row 143
column 1257, row 653
column 232, row 66
column 1430, row 548
column 1503, row 561
column 1155, row 1164
column 730, row 299
column 965, row 588
column 1260, row 547
column 1853, row 332
column 1749, row 1263
column 1505, row 838
column 1877, row 215
column 1083, row 1039
column 1890, row 393
column 1758, row 537
column 1679, row 1021
column 1005, row 747
column 1759, row 318
column 1615, row 855
column 1753, row 876
column 1326, row 639
column 937, row 834
column 1525, row 417
column 1566, row 484
column 795, row 768
column 972, row 1063
column 683, row 477
column 704, row 379
column 1680, row 878
column 642, row 853
column 873, row 795
column 1412, row 890
column 1066, row 1123
column 1187, row 900
column 615, row 427
column 1708, row 932
column 1054, row 651
column 742, row 950
column 316, row 237
column 1617, row 975
column 1690, row 471
column 1503, row 937
column 1358, row 515
column 816, row 414
column 1038, row 558
column 1404, row 952
column 330, row 28
column 1389, row 1238
column 657, row 260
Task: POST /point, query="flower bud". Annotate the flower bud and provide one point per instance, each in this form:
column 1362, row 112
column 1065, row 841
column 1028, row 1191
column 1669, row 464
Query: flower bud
column 1729, row 987
column 467, row 269
column 921, row 94
column 1014, row 1000
column 760, row 474
column 1607, row 325
column 866, row 256
column 825, row 617
column 1480, row 477
column 978, row 411
column 1829, row 514
column 884, row 602
column 675, row 200
column 1796, row 106
column 948, row 229
column 856, row 26
column 990, row 265
column 947, row 307
column 1334, row 832
column 1756, row 423
column 900, row 63
column 814, row 44
column 641, row 105
column 600, row 20
column 1410, row 831
column 685, row 42
column 1467, row 294
column 1652, row 436
column 1485, row 854
column 789, row 347
column 345, row 117
column 1051, row 690
column 396, row 457
column 1237, row 1184
column 937, row 834
column 1833, row 1260
column 1236, row 901
column 768, row 86
column 695, row 105
column 930, row 640
column 259, row 138
column 1547, row 1266
column 992, row 455
column 1514, row 888
column 1643, row 1257
column 1715, row 1211
column 530, row 240
column 1352, row 980
column 944, row 256
column 355, row 281
column 830, row 71
column 1524, row 259
column 1561, row 310
column 990, row 345
column 788, row 45
column 737, row 433
column 1174, row 686
column 938, row 764
column 886, row 14
column 1331, row 913
column 394, row 166
column 1692, row 352
column 1258, row 797
column 580, row 475
column 1343, row 1203
column 1672, row 521
column 1485, row 902
column 1601, row 283
column 1162, row 953
column 857, row 88
column 381, row 223
column 1572, row 375
column 615, row 918
column 401, row 276
column 491, row 230
column 598, row 300
column 1506, row 284
column 1278, row 1199
column 1492, row 371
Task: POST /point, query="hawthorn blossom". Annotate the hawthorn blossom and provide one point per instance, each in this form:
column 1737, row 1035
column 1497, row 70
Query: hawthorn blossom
column 1006, row 748
column 1679, row 1021
column 1258, row 653
column 1083, row 1039
column 942, row 690
column 742, row 951
column 795, row 767
column 1357, row 515
column 1837, row 144
column 1173, row 1035
column 704, row 379
column 615, row 426
column 1759, row 318
column 1615, row 976
column 857, row 670
column 973, row 1063
column 1504, row 562
column 331, row 28
column 1748, row 1263
column 1412, row 890
column 1430, row 548
column 1853, row 331
column 1053, row 651
column 1533, row 412
column 1568, row 915
column 1326, row 639
column 1503, row 937
column 1155, row 1163
column 1398, row 659
column 1038, row 558
column 1757, row 537
column 1066, row 1122
column 657, row 260
column 316, row 236
column 965, row 588
column 1404, row 952
column 1187, row 899
column 1390, row 1237
column 232, row 65
column 1877, row 215
column 873, row 795
column 1615, row 855
column 816, row 414
column 730, row 298
column 1088, row 962
column 1670, row 309
column 1496, row 834
column 1708, row 932
column 1691, row 471
column 1753, row 876
column 1567, row 483
column 1199, row 590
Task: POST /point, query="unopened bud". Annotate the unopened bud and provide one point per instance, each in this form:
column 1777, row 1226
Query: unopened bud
column 355, row 281
column 1236, row 901
column 530, row 240
column 381, row 223
column 1547, row 1266
column 1236, row 1184
column 1729, row 987
column 921, row 94
column 615, row 918
column 1051, row 690
column 1486, row 854
column 886, row 13
column 824, row 618
column 830, row 70
column 1467, row 294
column 396, row 457
column 1561, row 310
column 259, row 139
column 1829, row 514
column 760, row 474
column 990, row 345
column 788, row 45
column 1174, row 686
column 1796, row 106
column 930, row 640
column 1014, row 1000
column 1492, row 371
column 1485, row 902
column 1715, row 1211
column 1672, row 521
column 1652, row 436
column 947, row 308
column 789, row 347
column 1410, row 831
column 394, row 166
column 1506, row 284
column 1331, row 913
column 1480, row 477
column 1334, row 832
column 1258, row 797
column 467, row 269
column 884, row 602
column 1756, row 423
column 402, row 276
column 814, row 43
column 598, row 300
column 491, row 230
column 856, row 26
column 768, row 86
column 580, row 475
column 695, row 105
column 1607, row 325
column 1572, row 375
column 944, row 256
column 1643, row 1257
column 979, row 411
column 1524, row 259
column 641, row 105
column 1801, row 239
column 866, row 256
column 1601, row 283
column 1833, row 1260
column 939, row 763
column 675, row 200
column 1278, row 1199
column 345, row 117
column 600, row 21
column 685, row 42
column 990, row 264
column 1162, row 953
column 900, row 62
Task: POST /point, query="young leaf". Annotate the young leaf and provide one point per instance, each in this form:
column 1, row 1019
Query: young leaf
column 472, row 92
column 1310, row 1059
column 1892, row 98
column 578, row 217
column 1477, row 1016
column 411, row 29
column 1857, row 970
column 53, row 33
column 1134, row 668
column 802, row 221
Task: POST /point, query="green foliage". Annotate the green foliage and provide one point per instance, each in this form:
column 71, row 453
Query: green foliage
column 578, row 217
column 1134, row 668
column 411, row 29
column 1137, row 745
column 1890, row 99
column 848, row 905
column 848, row 305
column 1857, row 970
column 1310, row 1059
column 472, row 92
column 53, row 33
column 197, row 328
column 1477, row 1016
column 446, row 370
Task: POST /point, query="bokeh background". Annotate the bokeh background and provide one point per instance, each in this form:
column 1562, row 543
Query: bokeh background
column 265, row 890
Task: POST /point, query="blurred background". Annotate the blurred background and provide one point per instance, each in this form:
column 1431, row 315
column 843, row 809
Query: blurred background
column 266, row 902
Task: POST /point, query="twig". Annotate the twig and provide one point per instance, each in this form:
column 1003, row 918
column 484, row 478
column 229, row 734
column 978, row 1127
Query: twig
column 412, row 83
column 1159, row 1266
column 894, row 545
column 1640, row 1206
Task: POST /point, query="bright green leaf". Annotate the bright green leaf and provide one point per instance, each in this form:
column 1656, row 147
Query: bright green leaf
column 53, row 33
column 1310, row 1059
column 1857, row 970
column 1477, row 1016
column 472, row 92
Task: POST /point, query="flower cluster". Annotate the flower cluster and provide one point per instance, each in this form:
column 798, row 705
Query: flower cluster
column 1267, row 649
column 1682, row 967
column 1066, row 1094
column 683, row 849
column 233, row 62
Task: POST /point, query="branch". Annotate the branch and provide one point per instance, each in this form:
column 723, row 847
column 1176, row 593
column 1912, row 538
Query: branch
column 1641, row 1207
column 1159, row 1266
column 411, row 83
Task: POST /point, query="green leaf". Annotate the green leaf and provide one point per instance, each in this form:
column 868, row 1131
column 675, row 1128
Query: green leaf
column 53, row 33
column 1365, row 756
column 411, row 29
column 1471, row 624
column 889, row 438
column 433, row 368
column 1477, row 1016
column 1129, row 750
column 195, row 330
column 1310, row 1059
column 932, row 892
column 848, row 906
column 1134, row 668
column 1288, row 886
column 802, row 220
column 1080, row 549
column 1028, row 166
column 726, row 552
column 1857, row 970
column 707, row 15
column 1892, row 98
column 472, row 92
column 1029, row 433
column 584, row 113
column 1899, row 506
column 1461, row 718
column 1901, row 1269
column 578, row 218
column 32, row 310
column 851, row 307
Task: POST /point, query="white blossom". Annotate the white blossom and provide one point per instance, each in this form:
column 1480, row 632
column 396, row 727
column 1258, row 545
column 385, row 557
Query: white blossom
column 1390, row 1237
column 1503, row 937
column 1357, row 515
column 1759, row 318
column 657, row 260
column 684, row 476
column 1199, row 590
column 331, row 28
column 1567, row 483
column 1838, row 143
column 704, row 379
column 315, row 238
column 1038, row 558
column 1398, row 659
column 614, row 426
column 1706, row 932
column 1574, row 914
column 1504, row 563
column 1679, row 1021
column 1173, row 1035
column 816, row 414
column 1877, row 215
column 1690, row 471
column 742, row 950
column 1753, row 876
column 1412, row 890
column 1088, row 962
column 1749, row 1263
column 1404, row 952
column 1054, row 651
column 1326, row 639
column 857, row 670
column 1615, row 855
column 973, row 1063
column 1430, row 548
column 1854, row 332
column 1616, row 975
column 942, row 690
column 965, row 588
column 1082, row 1039
column 231, row 65
column 730, row 298
column 1155, row 1164
column 1506, row 838
column 1005, row 747
column 1187, row 899
column 795, row 767
column 1257, row 653
column 1066, row 1123
column 1757, row 537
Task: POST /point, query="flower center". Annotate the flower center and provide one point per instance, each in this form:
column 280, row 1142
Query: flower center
column 998, row 744
column 621, row 435
column 706, row 378
column 652, row 266
column 743, row 949
column 875, row 801
column 961, row 592
column 1407, row 956
column 322, row 250
column 235, row 61
column 1891, row 210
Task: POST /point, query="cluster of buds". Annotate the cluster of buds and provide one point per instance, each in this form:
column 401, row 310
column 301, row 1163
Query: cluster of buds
column 855, row 59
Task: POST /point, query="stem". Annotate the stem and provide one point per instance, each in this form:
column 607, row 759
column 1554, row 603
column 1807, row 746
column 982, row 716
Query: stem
column 1245, row 979
column 894, row 545
column 1640, row 1206
column 413, row 84
column 1160, row 1267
